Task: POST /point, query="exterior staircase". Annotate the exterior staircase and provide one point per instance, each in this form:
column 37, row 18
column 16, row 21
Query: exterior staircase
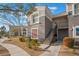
column 51, row 36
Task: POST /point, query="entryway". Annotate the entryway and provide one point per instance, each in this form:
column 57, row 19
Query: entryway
column 61, row 34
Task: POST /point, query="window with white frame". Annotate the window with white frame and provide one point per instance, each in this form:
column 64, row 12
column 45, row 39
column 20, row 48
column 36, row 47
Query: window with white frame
column 76, row 32
column 76, row 9
column 35, row 18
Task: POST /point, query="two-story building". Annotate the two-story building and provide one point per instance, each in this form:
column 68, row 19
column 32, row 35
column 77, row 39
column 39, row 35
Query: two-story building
column 44, row 25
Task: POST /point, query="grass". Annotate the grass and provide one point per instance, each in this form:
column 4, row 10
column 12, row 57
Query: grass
column 24, row 46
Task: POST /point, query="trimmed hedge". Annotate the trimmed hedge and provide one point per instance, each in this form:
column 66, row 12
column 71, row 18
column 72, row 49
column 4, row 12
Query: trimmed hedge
column 68, row 41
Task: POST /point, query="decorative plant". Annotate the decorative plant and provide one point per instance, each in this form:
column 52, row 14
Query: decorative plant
column 22, row 39
column 33, row 43
column 29, row 42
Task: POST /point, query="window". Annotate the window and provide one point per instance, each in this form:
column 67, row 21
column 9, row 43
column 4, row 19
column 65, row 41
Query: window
column 35, row 18
column 76, row 9
column 24, row 31
column 77, row 31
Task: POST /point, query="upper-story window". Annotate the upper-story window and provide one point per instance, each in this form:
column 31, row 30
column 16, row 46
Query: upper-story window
column 76, row 9
column 35, row 18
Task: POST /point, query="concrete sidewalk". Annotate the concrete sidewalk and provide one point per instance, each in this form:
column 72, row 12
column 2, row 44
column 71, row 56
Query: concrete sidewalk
column 13, row 49
column 51, row 51
column 17, row 51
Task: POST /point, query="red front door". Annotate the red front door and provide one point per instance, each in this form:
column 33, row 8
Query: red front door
column 34, row 33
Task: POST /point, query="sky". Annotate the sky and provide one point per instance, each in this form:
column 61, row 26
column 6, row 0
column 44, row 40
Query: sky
column 55, row 8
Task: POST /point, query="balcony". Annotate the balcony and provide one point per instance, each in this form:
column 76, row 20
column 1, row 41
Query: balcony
column 63, row 25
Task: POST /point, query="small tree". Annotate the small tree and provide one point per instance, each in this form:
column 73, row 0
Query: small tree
column 3, row 31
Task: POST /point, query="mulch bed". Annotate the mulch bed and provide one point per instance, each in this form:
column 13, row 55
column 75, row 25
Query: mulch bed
column 24, row 45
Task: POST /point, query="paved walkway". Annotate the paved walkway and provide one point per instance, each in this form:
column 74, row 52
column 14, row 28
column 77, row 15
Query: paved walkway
column 13, row 50
column 51, row 51
column 17, row 51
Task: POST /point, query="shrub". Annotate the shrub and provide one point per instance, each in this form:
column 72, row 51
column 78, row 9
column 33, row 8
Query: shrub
column 33, row 43
column 28, row 41
column 22, row 39
column 68, row 41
